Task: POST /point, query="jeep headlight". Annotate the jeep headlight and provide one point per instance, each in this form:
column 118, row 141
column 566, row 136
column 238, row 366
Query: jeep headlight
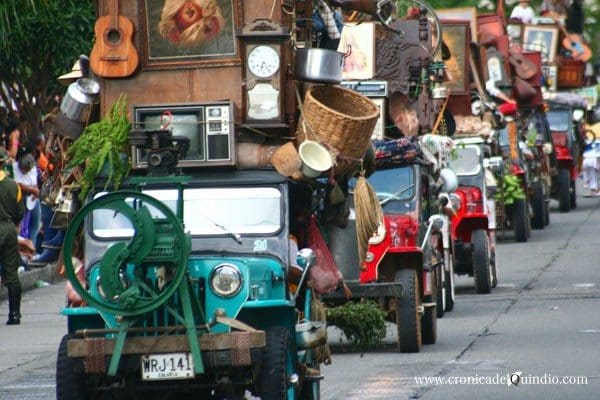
column 226, row 280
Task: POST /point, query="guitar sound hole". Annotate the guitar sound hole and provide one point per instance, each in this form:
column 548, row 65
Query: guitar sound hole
column 113, row 36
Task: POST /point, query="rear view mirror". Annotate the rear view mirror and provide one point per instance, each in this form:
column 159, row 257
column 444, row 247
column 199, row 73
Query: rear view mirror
column 494, row 163
column 305, row 258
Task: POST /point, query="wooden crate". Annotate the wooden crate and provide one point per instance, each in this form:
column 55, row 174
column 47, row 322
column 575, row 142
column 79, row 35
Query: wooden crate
column 570, row 74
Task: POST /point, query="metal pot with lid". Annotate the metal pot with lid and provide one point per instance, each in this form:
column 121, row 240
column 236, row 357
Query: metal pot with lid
column 80, row 96
column 319, row 65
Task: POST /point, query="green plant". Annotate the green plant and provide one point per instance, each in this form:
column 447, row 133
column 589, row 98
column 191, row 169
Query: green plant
column 362, row 323
column 101, row 147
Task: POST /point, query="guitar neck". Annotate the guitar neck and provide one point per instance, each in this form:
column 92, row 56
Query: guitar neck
column 560, row 26
column 500, row 9
column 113, row 11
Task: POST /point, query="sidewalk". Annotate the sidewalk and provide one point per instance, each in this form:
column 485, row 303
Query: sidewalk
column 32, row 276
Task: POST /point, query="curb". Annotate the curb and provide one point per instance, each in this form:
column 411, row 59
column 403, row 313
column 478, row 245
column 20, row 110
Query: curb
column 29, row 278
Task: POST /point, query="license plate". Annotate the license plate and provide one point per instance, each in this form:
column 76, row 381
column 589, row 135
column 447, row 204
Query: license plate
column 167, row 366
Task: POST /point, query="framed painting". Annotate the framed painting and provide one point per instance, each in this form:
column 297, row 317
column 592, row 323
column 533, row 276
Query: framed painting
column 515, row 32
column 188, row 33
column 358, row 43
column 457, row 38
column 460, row 14
column 542, row 38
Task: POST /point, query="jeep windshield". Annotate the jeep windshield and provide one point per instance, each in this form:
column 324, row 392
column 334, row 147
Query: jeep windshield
column 558, row 120
column 207, row 212
column 394, row 187
column 467, row 162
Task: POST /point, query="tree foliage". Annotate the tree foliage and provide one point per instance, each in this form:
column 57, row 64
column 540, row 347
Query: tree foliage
column 40, row 41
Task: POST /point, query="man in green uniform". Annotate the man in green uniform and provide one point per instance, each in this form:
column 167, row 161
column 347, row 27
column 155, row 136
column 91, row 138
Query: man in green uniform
column 11, row 212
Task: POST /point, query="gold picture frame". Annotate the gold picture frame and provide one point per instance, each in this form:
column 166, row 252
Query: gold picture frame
column 173, row 38
column 460, row 14
column 542, row 38
column 457, row 37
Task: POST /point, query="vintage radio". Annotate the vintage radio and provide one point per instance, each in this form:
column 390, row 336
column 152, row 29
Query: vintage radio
column 377, row 91
column 208, row 126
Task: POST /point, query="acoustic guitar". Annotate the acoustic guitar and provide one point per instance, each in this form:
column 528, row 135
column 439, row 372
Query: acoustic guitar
column 524, row 68
column 574, row 43
column 113, row 54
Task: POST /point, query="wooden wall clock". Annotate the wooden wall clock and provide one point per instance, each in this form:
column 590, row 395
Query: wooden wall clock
column 264, row 53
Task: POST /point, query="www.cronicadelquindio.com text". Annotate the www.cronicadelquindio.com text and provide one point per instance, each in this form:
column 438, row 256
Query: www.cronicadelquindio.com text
column 511, row 379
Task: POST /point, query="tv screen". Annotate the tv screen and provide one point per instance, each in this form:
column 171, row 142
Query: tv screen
column 182, row 124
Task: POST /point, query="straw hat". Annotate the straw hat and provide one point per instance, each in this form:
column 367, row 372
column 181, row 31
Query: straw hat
column 69, row 77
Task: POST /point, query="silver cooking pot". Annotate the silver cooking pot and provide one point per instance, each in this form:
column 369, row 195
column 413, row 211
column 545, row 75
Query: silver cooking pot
column 319, row 65
column 78, row 100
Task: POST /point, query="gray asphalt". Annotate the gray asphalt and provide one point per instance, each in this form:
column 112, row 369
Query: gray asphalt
column 542, row 320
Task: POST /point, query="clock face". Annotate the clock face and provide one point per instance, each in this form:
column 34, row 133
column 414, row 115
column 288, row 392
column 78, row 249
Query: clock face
column 263, row 61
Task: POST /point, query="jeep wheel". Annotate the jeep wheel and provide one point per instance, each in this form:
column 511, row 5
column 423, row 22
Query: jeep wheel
column 442, row 289
column 573, row 195
column 539, row 205
column 450, row 292
column 520, row 217
column 482, row 271
column 429, row 319
column 277, row 367
column 564, row 189
column 408, row 320
column 70, row 376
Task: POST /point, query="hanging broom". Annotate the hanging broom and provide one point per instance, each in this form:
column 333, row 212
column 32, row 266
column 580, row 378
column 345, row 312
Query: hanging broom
column 368, row 215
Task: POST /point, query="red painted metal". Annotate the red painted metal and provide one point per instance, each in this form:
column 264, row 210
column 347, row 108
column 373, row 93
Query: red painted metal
column 400, row 238
column 470, row 216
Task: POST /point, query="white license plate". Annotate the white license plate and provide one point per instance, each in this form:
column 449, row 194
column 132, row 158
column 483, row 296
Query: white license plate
column 167, row 366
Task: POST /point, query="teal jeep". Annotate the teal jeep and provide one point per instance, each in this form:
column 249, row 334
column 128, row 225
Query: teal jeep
column 187, row 293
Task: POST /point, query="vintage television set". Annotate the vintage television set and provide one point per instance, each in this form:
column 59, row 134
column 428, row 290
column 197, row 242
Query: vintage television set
column 208, row 126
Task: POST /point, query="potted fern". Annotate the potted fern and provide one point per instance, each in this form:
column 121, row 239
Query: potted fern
column 102, row 148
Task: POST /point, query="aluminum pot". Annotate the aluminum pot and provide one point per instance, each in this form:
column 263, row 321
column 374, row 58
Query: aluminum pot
column 319, row 65
column 79, row 98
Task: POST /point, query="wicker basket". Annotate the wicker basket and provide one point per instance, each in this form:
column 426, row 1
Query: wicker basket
column 342, row 120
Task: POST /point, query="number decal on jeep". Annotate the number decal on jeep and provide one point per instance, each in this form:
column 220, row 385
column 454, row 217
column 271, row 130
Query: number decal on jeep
column 260, row 245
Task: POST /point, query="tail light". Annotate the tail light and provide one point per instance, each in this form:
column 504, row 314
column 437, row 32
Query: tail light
column 515, row 169
column 474, row 203
column 559, row 139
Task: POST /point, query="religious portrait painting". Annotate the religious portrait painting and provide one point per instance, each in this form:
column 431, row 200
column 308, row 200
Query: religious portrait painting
column 180, row 32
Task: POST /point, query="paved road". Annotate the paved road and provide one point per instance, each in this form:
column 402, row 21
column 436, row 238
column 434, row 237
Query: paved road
column 542, row 319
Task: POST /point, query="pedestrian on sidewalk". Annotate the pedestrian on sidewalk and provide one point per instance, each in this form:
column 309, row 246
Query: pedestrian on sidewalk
column 11, row 212
column 591, row 166
column 26, row 175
